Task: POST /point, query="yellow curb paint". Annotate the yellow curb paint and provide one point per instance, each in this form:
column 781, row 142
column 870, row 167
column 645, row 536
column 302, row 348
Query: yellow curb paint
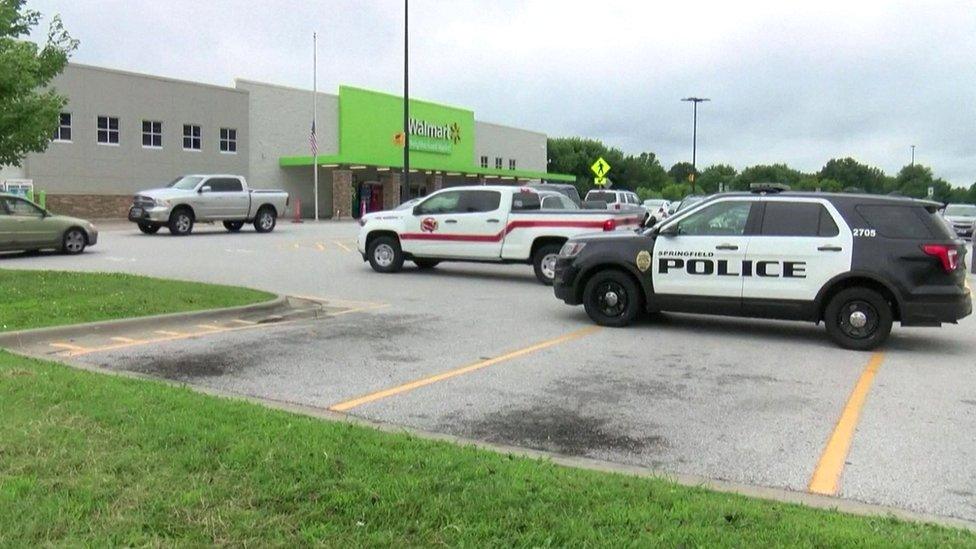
column 124, row 339
column 68, row 346
column 399, row 389
column 341, row 245
column 827, row 474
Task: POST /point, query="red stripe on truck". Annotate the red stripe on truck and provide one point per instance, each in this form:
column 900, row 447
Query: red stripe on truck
column 515, row 225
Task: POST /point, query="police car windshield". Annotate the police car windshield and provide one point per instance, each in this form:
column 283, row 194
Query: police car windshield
column 962, row 210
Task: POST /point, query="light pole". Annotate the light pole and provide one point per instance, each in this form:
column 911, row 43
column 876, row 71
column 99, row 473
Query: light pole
column 406, row 104
column 694, row 138
column 913, row 156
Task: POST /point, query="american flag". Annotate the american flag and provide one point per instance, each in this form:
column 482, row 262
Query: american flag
column 312, row 141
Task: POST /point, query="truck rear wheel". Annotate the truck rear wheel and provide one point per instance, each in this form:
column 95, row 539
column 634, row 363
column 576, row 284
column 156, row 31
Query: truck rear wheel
column 181, row 222
column 385, row 255
column 266, row 220
column 858, row 318
column 612, row 298
column 233, row 226
column 544, row 263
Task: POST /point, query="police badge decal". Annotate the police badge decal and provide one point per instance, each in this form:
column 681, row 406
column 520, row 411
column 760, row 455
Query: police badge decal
column 643, row 260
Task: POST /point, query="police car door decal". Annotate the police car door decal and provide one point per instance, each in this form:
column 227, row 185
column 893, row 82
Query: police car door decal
column 705, row 255
column 803, row 243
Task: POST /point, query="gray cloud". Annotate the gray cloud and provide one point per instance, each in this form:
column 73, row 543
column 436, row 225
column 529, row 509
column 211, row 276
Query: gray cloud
column 789, row 84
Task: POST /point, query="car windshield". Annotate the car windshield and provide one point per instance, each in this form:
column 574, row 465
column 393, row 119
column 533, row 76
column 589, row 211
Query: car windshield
column 185, row 183
column 690, row 201
column 962, row 210
column 409, row 204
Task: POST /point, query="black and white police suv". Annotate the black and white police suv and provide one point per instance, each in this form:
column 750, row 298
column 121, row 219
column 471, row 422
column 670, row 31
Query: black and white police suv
column 855, row 262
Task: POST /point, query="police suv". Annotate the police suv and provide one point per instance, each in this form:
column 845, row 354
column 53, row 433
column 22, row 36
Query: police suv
column 855, row 262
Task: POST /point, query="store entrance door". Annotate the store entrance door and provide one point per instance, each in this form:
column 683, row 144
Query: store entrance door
column 370, row 197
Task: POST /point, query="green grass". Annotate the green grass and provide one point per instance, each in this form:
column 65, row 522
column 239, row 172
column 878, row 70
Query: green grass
column 95, row 460
column 34, row 299
column 88, row 459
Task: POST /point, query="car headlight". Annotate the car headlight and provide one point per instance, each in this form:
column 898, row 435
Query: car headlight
column 571, row 249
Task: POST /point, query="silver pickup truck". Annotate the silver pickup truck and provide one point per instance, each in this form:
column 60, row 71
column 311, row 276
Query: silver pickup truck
column 205, row 198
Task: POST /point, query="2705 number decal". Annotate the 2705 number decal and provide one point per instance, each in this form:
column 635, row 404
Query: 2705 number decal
column 869, row 233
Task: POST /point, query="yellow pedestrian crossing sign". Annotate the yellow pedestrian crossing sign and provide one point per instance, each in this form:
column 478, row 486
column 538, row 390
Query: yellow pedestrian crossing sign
column 600, row 169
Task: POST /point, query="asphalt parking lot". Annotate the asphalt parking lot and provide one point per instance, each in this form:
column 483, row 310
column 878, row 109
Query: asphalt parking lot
column 485, row 352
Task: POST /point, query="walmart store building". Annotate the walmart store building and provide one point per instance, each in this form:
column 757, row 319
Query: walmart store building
column 122, row 132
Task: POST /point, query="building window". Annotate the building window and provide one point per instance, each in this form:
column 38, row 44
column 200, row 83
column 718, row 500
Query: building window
column 498, row 162
column 191, row 138
column 63, row 132
column 484, row 161
column 152, row 134
column 511, row 163
column 108, row 130
column 228, row 140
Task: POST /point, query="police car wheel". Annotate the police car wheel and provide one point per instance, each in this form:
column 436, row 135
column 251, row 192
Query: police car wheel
column 612, row 298
column 544, row 263
column 385, row 255
column 858, row 319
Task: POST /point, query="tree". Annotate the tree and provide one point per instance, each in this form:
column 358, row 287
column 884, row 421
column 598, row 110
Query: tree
column 852, row 174
column 771, row 173
column 28, row 113
column 708, row 180
column 680, row 172
column 914, row 181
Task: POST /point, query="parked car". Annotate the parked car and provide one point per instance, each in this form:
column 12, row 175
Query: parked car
column 206, row 198
column 26, row 226
column 488, row 224
column 855, row 262
column 961, row 217
column 551, row 200
column 657, row 210
column 568, row 190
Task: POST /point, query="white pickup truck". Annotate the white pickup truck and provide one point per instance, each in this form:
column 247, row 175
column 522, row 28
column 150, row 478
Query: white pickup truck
column 204, row 198
column 491, row 224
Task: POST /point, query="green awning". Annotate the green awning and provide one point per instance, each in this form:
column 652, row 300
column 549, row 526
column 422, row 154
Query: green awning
column 340, row 160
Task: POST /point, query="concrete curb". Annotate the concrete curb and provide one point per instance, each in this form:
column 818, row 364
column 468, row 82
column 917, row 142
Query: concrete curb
column 24, row 338
column 779, row 495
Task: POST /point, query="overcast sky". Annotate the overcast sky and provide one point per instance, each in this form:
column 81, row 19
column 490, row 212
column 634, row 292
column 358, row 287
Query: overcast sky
column 788, row 84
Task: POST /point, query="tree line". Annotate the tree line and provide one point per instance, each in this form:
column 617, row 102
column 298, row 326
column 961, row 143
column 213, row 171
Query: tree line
column 644, row 174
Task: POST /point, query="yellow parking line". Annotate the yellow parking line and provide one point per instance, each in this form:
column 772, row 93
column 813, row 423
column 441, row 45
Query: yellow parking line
column 78, row 351
column 211, row 327
column 124, row 339
column 169, row 333
column 242, row 321
column 341, row 245
column 365, row 399
column 296, row 245
column 826, row 476
column 68, row 346
column 320, row 246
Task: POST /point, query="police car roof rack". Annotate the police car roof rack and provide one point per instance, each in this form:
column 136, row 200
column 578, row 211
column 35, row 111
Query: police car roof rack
column 768, row 188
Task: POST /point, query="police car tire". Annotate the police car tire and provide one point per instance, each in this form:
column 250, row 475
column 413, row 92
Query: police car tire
column 396, row 262
column 625, row 287
column 539, row 257
column 859, row 297
column 425, row 264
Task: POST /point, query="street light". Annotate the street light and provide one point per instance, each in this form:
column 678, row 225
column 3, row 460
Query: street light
column 913, row 156
column 694, row 138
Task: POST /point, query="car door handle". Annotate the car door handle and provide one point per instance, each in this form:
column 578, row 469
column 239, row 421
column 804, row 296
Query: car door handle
column 726, row 247
column 492, row 221
column 450, row 221
column 830, row 249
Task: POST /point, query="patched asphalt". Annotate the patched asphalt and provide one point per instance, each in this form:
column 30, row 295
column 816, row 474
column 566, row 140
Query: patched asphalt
column 743, row 400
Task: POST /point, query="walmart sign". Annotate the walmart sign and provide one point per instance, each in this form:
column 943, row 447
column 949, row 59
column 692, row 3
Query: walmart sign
column 435, row 138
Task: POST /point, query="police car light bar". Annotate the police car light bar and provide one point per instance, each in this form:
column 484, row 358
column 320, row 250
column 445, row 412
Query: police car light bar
column 768, row 187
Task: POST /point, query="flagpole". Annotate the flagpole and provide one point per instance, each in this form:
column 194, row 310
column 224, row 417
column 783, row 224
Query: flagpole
column 315, row 93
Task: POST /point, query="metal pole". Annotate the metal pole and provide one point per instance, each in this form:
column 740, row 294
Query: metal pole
column 694, row 147
column 315, row 93
column 913, row 156
column 406, row 104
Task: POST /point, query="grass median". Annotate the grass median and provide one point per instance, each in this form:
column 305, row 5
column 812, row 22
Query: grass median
column 89, row 459
column 36, row 299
